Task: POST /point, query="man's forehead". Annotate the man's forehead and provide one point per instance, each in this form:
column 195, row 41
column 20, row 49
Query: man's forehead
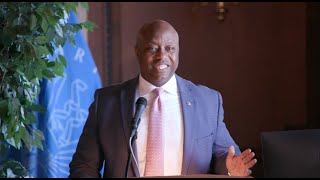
column 161, row 35
column 157, row 30
column 157, row 36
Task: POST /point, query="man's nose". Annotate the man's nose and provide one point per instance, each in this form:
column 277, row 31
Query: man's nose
column 161, row 54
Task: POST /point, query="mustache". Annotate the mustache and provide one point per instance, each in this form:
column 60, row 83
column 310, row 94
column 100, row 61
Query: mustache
column 161, row 62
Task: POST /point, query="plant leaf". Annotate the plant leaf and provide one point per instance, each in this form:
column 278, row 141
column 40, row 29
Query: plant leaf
column 33, row 22
column 58, row 69
column 44, row 24
column 3, row 150
column 48, row 74
column 62, row 60
column 88, row 25
column 41, row 40
column 50, row 34
column 37, row 108
column 26, row 138
column 50, row 64
column 31, row 117
column 38, row 134
column 72, row 41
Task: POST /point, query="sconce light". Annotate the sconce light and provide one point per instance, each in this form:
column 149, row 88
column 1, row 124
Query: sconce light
column 221, row 9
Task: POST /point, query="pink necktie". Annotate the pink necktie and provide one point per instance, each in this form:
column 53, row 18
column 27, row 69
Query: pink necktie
column 155, row 141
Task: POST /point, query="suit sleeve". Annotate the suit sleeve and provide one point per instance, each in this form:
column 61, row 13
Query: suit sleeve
column 87, row 161
column 222, row 142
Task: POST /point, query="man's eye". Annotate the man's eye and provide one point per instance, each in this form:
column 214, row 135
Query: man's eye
column 170, row 48
column 152, row 49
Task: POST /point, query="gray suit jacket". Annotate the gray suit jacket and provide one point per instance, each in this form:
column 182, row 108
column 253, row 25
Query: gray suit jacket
column 105, row 136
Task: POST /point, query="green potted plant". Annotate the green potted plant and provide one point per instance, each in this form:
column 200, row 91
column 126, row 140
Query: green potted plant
column 29, row 32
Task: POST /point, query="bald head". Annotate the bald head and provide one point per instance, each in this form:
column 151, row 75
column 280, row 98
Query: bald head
column 153, row 28
column 157, row 49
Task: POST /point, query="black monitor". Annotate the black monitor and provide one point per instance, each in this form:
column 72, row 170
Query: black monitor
column 294, row 153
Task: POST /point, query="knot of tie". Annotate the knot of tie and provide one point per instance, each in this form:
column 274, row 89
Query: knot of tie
column 158, row 91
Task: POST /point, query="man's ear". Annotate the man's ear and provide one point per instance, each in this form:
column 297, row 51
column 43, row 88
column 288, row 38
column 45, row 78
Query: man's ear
column 136, row 50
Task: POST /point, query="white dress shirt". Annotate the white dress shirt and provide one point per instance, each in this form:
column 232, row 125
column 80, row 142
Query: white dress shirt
column 173, row 128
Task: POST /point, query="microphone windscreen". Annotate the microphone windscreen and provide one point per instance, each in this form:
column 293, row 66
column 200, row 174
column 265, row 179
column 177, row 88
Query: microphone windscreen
column 142, row 101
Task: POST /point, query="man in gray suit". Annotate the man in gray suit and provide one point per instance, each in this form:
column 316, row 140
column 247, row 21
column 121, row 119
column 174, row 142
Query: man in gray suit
column 195, row 135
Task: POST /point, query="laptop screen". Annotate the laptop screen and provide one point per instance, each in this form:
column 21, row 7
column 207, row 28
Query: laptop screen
column 294, row 153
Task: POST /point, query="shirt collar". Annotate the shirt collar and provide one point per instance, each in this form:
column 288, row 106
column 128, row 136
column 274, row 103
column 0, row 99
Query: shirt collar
column 145, row 87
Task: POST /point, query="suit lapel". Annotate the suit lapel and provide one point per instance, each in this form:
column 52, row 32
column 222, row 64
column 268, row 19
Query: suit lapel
column 127, row 100
column 188, row 105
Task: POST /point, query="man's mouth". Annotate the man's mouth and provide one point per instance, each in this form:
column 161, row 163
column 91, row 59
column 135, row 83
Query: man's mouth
column 161, row 66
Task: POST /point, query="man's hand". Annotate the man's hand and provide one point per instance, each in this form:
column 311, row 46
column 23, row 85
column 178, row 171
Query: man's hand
column 239, row 165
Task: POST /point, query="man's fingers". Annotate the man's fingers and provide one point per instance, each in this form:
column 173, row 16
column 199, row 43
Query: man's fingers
column 245, row 153
column 251, row 163
column 248, row 157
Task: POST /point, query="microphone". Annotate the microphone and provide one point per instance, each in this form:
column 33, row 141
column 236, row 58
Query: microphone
column 140, row 106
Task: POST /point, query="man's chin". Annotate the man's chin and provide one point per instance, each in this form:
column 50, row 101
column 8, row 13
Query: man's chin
column 161, row 81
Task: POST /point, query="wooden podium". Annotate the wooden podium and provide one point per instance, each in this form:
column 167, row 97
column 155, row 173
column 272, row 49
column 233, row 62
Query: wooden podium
column 196, row 176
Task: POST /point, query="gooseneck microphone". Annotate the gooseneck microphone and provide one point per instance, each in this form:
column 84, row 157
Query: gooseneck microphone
column 140, row 106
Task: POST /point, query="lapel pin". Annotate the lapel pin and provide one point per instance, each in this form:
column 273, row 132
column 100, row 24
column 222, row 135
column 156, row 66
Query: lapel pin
column 188, row 103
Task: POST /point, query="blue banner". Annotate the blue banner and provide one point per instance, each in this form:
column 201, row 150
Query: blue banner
column 67, row 100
